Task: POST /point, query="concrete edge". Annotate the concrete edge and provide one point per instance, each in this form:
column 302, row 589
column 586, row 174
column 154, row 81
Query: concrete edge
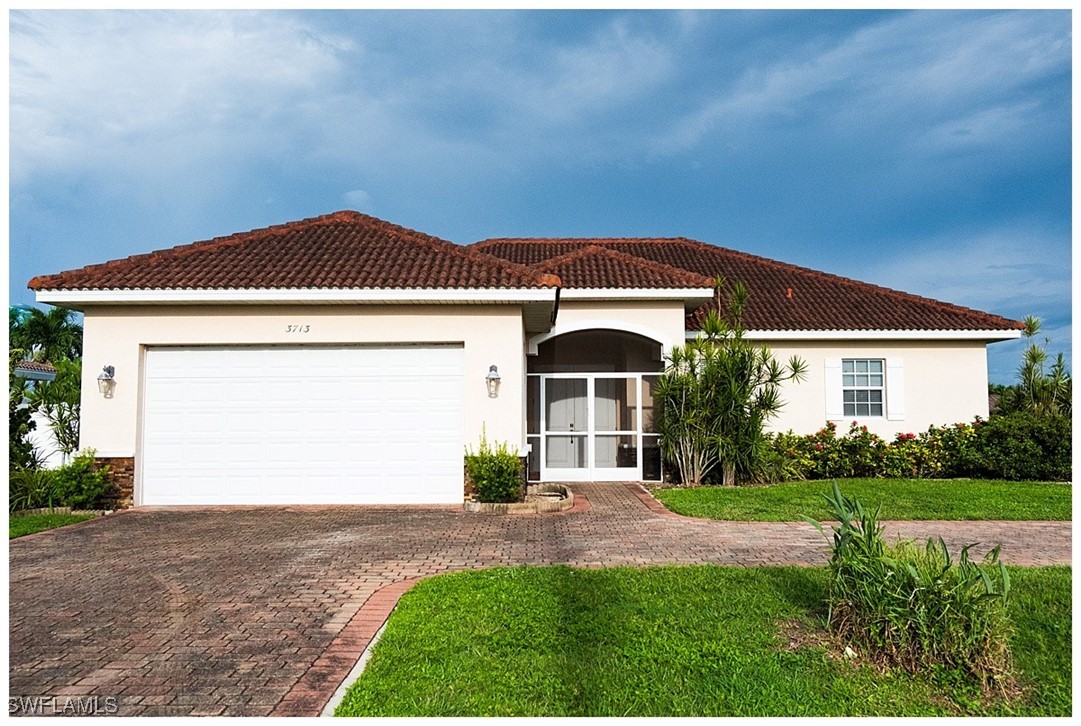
column 339, row 695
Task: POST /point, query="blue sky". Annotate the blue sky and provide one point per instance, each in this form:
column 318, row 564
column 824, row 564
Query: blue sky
column 926, row 151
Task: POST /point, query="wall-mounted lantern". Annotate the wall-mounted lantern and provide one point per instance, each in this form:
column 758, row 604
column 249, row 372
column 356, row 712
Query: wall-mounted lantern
column 492, row 379
column 106, row 381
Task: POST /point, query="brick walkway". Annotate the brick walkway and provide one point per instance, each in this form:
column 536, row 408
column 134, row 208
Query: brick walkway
column 259, row 610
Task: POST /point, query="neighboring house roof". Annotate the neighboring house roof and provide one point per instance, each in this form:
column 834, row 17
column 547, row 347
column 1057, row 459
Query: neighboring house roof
column 596, row 267
column 34, row 370
column 341, row 250
column 783, row 297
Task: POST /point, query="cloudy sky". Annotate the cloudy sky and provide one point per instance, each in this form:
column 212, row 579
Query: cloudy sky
column 926, row 151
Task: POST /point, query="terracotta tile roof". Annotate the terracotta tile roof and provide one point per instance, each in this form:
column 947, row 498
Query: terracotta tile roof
column 33, row 365
column 341, row 250
column 593, row 266
column 782, row 296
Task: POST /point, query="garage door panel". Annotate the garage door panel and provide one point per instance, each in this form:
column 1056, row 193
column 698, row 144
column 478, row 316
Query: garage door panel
column 303, row 425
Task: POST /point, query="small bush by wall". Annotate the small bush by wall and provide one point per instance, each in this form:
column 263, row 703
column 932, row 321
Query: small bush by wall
column 1017, row 446
column 496, row 473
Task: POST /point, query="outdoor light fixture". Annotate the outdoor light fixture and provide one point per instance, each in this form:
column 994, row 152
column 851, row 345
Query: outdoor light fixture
column 106, row 382
column 492, row 379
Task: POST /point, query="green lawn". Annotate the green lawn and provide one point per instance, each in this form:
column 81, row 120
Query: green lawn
column 30, row 523
column 679, row 641
column 900, row 499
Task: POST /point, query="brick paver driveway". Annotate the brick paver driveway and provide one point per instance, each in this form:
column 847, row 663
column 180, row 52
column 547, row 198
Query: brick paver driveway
column 184, row 611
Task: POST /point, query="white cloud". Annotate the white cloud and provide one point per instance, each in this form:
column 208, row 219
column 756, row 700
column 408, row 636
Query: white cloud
column 357, row 199
column 108, row 90
column 910, row 65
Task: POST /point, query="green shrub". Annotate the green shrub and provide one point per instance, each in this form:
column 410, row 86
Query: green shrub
column 916, row 607
column 1017, row 446
column 1020, row 446
column 31, row 489
column 496, row 473
column 79, row 485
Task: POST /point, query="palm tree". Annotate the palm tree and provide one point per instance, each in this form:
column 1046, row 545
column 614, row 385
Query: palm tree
column 1039, row 391
column 45, row 336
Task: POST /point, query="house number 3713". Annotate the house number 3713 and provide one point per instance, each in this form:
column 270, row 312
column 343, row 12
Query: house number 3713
column 297, row 328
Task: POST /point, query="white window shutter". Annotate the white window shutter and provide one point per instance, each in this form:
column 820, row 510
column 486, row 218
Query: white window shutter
column 895, row 389
column 835, row 407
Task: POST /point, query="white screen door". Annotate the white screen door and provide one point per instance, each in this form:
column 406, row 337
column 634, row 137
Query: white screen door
column 590, row 426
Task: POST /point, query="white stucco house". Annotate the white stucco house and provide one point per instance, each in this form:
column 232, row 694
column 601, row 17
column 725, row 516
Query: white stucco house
column 344, row 359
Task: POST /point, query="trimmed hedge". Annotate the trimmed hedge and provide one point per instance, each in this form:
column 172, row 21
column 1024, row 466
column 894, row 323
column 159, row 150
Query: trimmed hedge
column 1016, row 447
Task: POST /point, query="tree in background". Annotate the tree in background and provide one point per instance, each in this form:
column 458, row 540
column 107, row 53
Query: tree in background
column 1040, row 391
column 716, row 395
column 54, row 337
column 58, row 401
column 45, row 336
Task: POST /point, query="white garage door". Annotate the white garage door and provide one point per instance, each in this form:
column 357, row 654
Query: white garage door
column 303, row 425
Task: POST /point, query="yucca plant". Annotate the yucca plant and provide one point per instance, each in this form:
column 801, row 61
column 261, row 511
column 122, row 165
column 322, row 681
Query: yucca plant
column 916, row 607
column 30, row 489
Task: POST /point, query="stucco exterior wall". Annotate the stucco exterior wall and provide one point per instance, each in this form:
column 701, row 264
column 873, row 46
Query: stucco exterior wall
column 660, row 321
column 117, row 336
column 945, row 382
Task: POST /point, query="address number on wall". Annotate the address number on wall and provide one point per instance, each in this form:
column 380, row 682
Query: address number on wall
column 297, row 328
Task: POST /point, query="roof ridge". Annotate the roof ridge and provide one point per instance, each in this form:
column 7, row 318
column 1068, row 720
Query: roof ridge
column 587, row 240
column 345, row 215
column 851, row 282
column 660, row 267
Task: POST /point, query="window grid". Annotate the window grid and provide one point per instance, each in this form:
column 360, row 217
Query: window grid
column 863, row 385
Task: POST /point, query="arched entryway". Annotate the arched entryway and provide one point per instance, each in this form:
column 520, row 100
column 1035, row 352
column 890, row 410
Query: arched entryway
column 589, row 407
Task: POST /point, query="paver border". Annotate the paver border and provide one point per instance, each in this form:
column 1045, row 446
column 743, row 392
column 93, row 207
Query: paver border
column 309, row 695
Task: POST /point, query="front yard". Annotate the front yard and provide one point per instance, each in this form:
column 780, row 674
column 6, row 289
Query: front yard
column 950, row 499
column 681, row 641
column 24, row 524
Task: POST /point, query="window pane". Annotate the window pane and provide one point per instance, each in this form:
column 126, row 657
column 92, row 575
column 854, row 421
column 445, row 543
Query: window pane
column 861, row 396
column 612, row 452
column 876, row 396
column 850, row 396
column 850, row 409
column 861, row 380
column 648, row 382
column 533, row 460
column 848, row 379
column 876, row 409
column 565, row 404
column 861, row 366
column 651, row 458
column 876, row 381
column 565, row 452
column 532, row 405
column 876, row 366
column 615, row 404
column 848, row 366
column 862, row 409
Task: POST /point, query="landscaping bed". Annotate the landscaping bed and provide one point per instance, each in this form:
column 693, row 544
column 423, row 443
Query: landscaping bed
column 675, row 641
column 948, row 499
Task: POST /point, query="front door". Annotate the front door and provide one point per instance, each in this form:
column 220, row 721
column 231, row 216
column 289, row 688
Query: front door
column 590, row 427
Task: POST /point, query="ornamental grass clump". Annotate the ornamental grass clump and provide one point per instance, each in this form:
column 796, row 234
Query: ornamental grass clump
column 916, row 607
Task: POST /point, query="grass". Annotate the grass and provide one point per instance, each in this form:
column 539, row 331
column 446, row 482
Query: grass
column 670, row 641
column 900, row 499
column 24, row 524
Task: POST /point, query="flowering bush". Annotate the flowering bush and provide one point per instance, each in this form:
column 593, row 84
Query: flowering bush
column 1016, row 446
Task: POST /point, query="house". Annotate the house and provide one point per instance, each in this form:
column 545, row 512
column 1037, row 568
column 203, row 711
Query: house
column 344, row 359
column 42, row 437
